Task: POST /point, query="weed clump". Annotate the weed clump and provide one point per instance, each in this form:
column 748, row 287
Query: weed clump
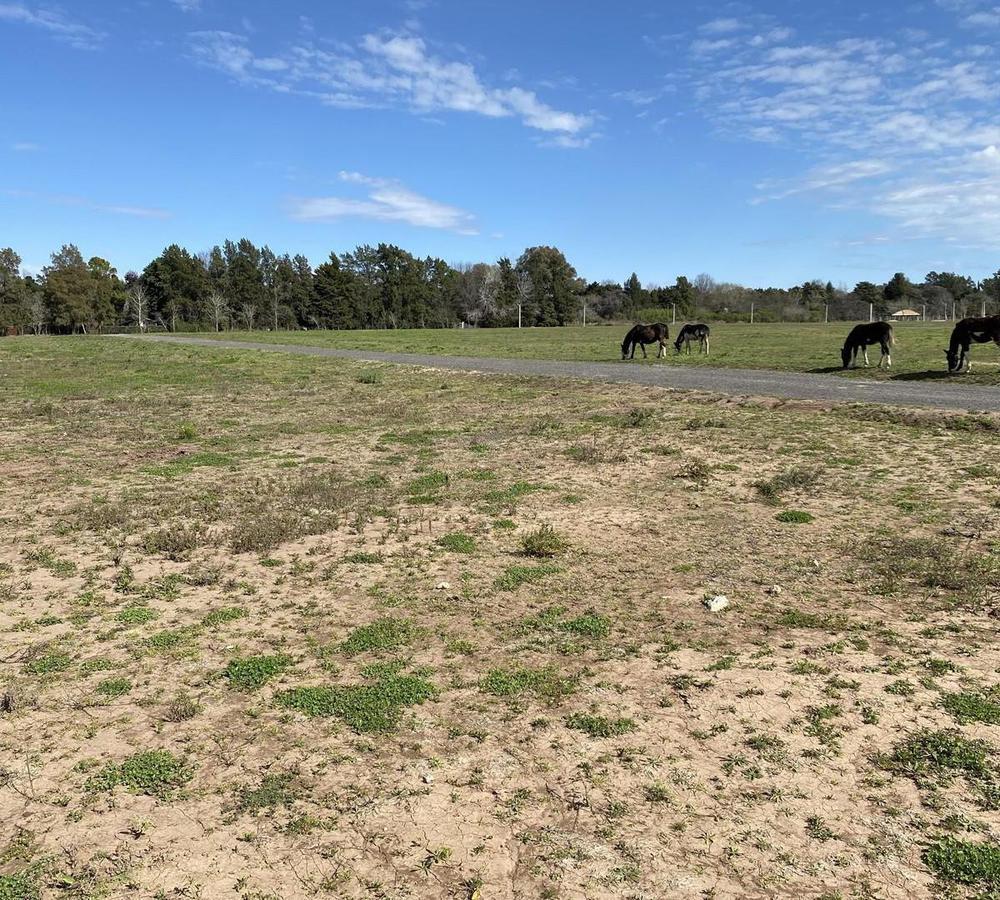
column 383, row 634
column 600, row 726
column 152, row 772
column 543, row 543
column 252, row 672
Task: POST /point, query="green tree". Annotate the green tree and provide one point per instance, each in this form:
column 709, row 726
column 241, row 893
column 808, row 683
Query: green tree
column 13, row 294
column 67, row 289
column 553, row 280
column 177, row 286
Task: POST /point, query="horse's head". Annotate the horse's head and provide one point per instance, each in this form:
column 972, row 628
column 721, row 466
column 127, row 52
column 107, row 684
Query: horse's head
column 952, row 357
column 677, row 344
column 845, row 355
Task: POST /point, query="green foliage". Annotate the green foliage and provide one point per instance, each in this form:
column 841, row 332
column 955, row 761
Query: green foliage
column 275, row 789
column 113, row 687
column 457, row 542
column 600, row 726
column 974, row 707
column 366, row 708
column 19, row 886
column 153, row 772
column 136, row 615
column 222, row 615
column 251, row 673
column 795, row 517
column 514, row 576
column 937, row 754
column 49, row 663
column 965, row 862
column 798, row 478
column 383, row 634
column 545, row 683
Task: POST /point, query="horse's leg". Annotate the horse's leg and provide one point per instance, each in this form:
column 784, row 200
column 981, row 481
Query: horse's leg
column 645, row 355
column 867, row 363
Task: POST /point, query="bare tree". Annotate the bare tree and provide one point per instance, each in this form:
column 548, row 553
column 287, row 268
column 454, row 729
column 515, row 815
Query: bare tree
column 218, row 307
column 35, row 307
column 249, row 313
column 489, row 295
column 137, row 306
column 525, row 288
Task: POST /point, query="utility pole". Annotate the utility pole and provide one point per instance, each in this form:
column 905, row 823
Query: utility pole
column 673, row 313
column 871, row 312
column 923, row 313
column 584, row 312
column 826, row 313
column 751, row 311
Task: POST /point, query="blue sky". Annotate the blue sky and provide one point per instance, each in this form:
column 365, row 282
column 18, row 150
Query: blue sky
column 766, row 143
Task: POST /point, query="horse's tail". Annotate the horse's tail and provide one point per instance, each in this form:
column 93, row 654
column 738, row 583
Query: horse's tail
column 891, row 337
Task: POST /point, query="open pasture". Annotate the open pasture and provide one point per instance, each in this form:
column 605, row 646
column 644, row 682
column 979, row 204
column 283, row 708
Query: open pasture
column 918, row 354
column 286, row 627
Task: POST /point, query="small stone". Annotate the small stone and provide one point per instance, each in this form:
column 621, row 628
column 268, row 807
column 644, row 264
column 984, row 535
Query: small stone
column 444, row 586
column 716, row 604
column 774, row 589
column 428, row 778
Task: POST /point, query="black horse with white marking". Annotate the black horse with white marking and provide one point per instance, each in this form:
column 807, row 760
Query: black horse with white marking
column 862, row 337
column 968, row 331
column 640, row 335
column 698, row 332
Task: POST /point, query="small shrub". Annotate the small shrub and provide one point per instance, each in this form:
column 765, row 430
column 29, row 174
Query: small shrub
column 181, row 708
column 543, row 543
column 369, row 377
column 175, row 541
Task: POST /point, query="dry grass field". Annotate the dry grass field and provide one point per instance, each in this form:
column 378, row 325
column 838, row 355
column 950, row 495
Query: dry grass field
column 286, row 627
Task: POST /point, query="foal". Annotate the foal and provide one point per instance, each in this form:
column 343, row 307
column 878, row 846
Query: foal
column 861, row 337
column 640, row 335
column 980, row 331
column 688, row 333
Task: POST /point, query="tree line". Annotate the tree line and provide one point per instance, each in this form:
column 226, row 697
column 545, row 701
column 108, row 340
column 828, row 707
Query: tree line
column 242, row 286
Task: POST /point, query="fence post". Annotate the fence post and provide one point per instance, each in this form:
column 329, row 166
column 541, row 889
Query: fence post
column 751, row 312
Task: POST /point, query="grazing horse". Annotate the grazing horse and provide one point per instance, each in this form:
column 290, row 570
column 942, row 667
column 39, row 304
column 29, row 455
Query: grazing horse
column 688, row 333
column 640, row 335
column 980, row 331
column 862, row 336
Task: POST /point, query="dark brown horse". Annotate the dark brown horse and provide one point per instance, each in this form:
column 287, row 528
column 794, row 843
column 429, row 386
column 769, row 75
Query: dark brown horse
column 640, row 335
column 862, row 336
column 698, row 332
column 968, row 331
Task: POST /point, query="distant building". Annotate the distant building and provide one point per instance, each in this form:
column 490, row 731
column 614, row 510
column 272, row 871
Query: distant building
column 906, row 315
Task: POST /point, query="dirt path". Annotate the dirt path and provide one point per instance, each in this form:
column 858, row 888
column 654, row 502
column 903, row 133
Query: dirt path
column 947, row 394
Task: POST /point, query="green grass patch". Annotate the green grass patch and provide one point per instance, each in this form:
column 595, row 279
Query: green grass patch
column 795, row 517
column 974, row 707
column 49, row 663
column 189, row 463
column 457, row 542
column 113, row 687
column 514, row 576
column 222, row 615
column 152, row 772
column 965, row 862
column 383, row 634
column 545, row 683
column 600, row 726
column 136, row 615
column 276, row 789
column 937, row 755
column 366, row 708
column 250, row 673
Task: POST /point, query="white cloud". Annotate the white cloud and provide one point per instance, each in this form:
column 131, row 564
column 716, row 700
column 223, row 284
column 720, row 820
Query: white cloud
column 386, row 201
column 905, row 130
column 188, row 5
column 55, row 22
column 986, row 18
column 140, row 212
column 721, row 26
column 383, row 70
column 25, row 147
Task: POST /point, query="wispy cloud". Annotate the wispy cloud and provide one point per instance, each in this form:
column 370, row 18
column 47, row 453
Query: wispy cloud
column 139, row 212
column 55, row 22
column 901, row 128
column 188, row 5
column 385, row 201
column 382, row 70
column 25, row 147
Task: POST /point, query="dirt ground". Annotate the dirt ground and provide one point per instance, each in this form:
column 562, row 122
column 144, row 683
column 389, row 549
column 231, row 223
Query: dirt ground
column 282, row 627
